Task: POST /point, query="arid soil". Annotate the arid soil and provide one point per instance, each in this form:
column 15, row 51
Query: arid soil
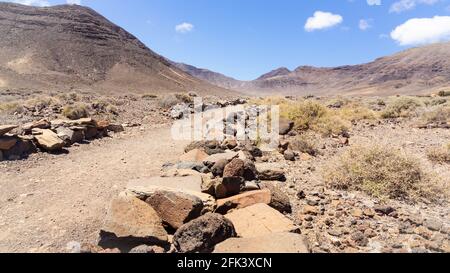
column 50, row 200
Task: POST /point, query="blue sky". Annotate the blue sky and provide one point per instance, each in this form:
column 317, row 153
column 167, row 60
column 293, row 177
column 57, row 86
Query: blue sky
column 246, row 38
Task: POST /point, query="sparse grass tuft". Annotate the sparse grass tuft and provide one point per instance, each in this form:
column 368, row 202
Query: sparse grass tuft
column 440, row 155
column 331, row 125
column 149, row 96
column 444, row 93
column 356, row 112
column 76, row 111
column 401, row 107
column 11, row 108
column 168, row 101
column 379, row 171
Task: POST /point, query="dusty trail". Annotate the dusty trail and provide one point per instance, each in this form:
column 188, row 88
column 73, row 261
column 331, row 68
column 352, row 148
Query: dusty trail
column 51, row 202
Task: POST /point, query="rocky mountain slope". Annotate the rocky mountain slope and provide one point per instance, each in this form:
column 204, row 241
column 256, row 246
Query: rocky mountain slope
column 414, row 71
column 73, row 47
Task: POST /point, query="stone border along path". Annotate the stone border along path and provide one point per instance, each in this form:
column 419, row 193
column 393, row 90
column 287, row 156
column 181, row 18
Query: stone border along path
column 50, row 136
column 211, row 200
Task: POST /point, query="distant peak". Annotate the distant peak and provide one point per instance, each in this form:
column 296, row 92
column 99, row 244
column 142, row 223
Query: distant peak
column 275, row 73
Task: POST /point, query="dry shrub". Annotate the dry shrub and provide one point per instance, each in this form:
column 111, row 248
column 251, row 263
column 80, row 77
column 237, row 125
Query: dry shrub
column 76, row 111
column 184, row 98
column 356, row 112
column 331, row 125
column 304, row 144
column 401, row 107
column 168, row 101
column 380, row 171
column 11, row 108
column 440, row 155
column 439, row 115
column 305, row 114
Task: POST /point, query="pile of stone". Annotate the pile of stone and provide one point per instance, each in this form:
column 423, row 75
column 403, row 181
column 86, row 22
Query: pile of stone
column 215, row 199
column 50, row 136
column 184, row 110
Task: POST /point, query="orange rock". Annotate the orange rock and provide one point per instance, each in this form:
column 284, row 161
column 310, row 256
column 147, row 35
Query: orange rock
column 243, row 200
column 195, row 155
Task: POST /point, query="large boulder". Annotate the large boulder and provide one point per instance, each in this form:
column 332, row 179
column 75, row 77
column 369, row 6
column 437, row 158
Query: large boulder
column 218, row 168
column 22, row 148
column 70, row 136
column 259, row 220
column 48, row 140
column 228, row 186
column 279, row 200
column 191, row 185
column 4, row 129
column 174, row 207
column 203, row 233
column 243, row 200
column 195, row 155
column 131, row 222
column 7, row 142
column 234, row 169
column 269, row 174
column 213, row 159
column 266, row 244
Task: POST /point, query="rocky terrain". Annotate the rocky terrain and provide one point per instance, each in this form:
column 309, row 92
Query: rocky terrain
column 415, row 71
column 232, row 195
column 72, row 48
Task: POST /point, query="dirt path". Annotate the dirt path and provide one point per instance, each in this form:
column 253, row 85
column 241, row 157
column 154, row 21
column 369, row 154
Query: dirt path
column 46, row 204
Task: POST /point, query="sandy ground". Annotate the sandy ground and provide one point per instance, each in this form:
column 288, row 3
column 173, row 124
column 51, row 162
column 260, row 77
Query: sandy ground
column 48, row 202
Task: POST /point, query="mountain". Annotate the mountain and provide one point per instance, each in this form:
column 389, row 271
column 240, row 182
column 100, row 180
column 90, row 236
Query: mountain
column 418, row 70
column 73, row 47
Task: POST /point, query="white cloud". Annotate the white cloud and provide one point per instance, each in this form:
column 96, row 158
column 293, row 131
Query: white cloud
column 40, row 3
column 423, row 31
column 184, row 28
column 365, row 24
column 322, row 20
column 404, row 5
column 374, row 2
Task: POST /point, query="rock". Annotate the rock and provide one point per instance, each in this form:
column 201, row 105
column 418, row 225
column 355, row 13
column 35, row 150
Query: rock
column 356, row 212
column 218, row 168
column 145, row 249
column 243, row 200
column 310, row 210
column 144, row 188
column 229, row 186
column 360, row 239
column 209, row 186
column 175, row 208
column 203, row 233
column 286, row 126
column 41, row 124
column 49, row 141
column 283, row 146
column 196, row 166
column 229, row 144
column 433, row 224
column 7, row 142
column 116, row 128
column 20, row 149
column 250, row 186
column 245, row 155
column 271, row 175
column 131, row 222
column 213, row 159
column 4, row 129
column 1, row 156
column 259, row 220
column 250, row 172
column 305, row 157
column 195, row 155
column 289, row 155
column 384, row 210
column 279, row 200
column 91, row 132
column 253, row 150
column 203, row 145
column 234, row 169
column 102, row 124
column 70, row 136
column 271, row 243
